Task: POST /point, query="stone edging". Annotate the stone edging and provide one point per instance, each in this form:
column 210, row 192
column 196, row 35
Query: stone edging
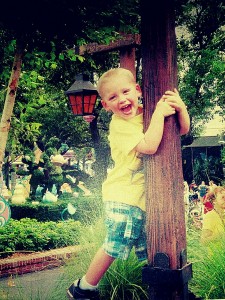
column 36, row 261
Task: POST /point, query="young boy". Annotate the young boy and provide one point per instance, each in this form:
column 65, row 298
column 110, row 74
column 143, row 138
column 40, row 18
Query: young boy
column 123, row 190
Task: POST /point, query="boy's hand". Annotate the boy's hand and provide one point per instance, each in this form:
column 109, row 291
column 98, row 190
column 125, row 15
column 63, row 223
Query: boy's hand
column 174, row 100
column 164, row 108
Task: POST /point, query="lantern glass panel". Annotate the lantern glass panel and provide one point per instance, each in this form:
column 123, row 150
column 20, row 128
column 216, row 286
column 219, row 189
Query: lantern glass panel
column 76, row 104
column 89, row 103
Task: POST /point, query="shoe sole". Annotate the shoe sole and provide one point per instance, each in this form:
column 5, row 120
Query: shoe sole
column 70, row 297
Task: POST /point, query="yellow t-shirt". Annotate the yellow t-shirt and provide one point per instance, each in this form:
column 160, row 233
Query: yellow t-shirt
column 213, row 222
column 125, row 182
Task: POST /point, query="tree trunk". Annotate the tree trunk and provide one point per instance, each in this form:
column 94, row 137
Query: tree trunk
column 166, row 231
column 9, row 102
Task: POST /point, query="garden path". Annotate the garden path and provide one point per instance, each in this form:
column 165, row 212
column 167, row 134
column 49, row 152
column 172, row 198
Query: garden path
column 35, row 285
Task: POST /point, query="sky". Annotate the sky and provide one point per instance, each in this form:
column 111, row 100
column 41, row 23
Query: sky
column 214, row 127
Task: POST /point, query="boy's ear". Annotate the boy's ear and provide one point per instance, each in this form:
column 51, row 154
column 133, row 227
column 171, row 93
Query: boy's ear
column 104, row 104
column 138, row 89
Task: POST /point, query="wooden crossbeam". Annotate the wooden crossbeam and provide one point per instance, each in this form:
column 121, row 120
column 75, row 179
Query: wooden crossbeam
column 125, row 40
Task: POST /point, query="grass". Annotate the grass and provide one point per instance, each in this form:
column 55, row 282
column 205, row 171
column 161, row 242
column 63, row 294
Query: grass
column 123, row 281
column 208, row 264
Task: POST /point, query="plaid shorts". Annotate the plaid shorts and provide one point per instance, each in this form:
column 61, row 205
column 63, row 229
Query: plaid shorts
column 125, row 226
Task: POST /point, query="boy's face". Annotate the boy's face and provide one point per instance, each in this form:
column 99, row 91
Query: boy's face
column 120, row 96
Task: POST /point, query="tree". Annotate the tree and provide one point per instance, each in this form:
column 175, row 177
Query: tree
column 62, row 23
column 201, row 38
column 10, row 100
column 49, row 32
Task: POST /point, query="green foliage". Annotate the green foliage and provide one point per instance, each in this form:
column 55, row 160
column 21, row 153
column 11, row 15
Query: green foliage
column 31, row 235
column 223, row 155
column 123, row 280
column 40, row 110
column 201, row 58
column 41, row 212
column 57, row 121
column 207, row 168
column 208, row 268
column 87, row 209
column 41, row 232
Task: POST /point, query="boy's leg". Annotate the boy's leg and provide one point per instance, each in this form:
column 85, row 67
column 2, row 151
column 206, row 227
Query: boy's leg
column 99, row 265
column 86, row 287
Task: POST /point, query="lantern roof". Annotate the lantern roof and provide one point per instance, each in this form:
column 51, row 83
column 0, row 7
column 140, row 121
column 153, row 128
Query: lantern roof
column 81, row 84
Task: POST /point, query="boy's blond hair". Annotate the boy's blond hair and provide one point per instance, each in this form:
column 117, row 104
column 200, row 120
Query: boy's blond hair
column 107, row 76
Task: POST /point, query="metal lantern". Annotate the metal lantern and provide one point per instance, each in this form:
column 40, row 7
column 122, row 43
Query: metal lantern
column 82, row 96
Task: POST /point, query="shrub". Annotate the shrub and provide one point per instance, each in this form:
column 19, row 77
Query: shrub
column 42, row 212
column 88, row 209
column 31, row 235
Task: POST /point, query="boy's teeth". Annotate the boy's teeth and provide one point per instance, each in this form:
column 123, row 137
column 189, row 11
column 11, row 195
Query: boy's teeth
column 126, row 108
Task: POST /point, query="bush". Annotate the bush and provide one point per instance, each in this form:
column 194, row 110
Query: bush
column 31, row 235
column 42, row 212
column 88, row 209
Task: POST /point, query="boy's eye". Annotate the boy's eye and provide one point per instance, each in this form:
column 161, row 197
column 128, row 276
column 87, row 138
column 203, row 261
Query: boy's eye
column 111, row 98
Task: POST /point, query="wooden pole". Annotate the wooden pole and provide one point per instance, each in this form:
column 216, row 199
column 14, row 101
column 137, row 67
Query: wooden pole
column 166, row 233
column 127, row 59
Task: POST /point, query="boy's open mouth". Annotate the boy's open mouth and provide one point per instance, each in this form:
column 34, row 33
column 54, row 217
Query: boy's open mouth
column 126, row 109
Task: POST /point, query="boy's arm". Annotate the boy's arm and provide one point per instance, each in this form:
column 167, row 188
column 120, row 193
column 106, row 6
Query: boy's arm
column 153, row 136
column 184, row 121
column 173, row 99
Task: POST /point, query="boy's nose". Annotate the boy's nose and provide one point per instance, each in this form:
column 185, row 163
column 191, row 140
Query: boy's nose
column 122, row 99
